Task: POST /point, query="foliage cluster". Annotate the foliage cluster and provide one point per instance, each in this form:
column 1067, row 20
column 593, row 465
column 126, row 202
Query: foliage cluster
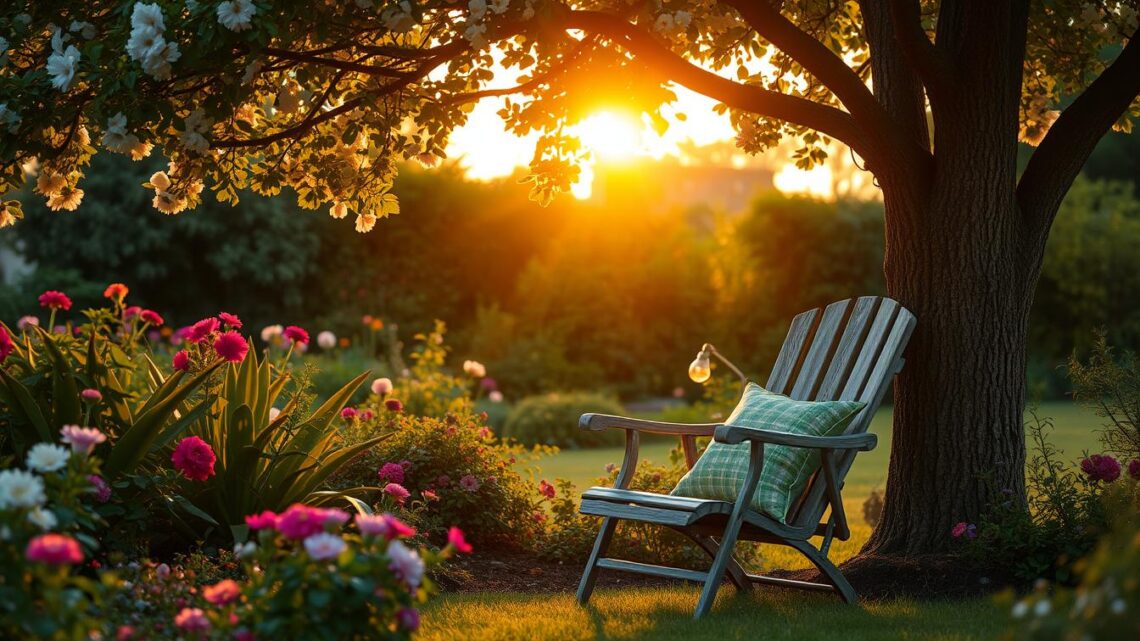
column 552, row 419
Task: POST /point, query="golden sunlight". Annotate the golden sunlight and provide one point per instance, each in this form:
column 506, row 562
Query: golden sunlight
column 611, row 135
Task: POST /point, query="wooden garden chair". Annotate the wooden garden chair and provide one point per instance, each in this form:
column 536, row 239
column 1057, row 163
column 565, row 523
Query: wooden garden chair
column 849, row 350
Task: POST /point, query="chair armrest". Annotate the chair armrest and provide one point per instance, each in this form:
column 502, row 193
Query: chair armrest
column 599, row 422
column 738, row 434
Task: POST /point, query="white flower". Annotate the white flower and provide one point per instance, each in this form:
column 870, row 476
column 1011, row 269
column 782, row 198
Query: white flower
column 27, row 320
column 682, row 19
column 474, row 33
column 326, row 340
column 193, row 138
column 1042, row 608
column 62, row 64
column 474, row 368
column 43, row 519
column 406, row 563
column 251, row 71
column 3, row 52
column 20, row 489
column 495, row 396
column 9, row 117
column 270, row 332
column 664, row 23
column 50, row 183
column 116, row 138
column 323, row 546
column 85, row 29
column 244, row 550
column 147, row 16
column 47, row 457
column 399, row 17
column 477, row 8
column 142, row 40
column 338, row 210
column 157, row 59
column 365, row 222
column 235, row 14
column 381, row 386
column 499, row 6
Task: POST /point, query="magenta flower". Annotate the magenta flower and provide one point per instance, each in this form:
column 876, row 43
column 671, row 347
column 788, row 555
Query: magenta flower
column 1134, row 469
column 265, row 521
column 231, row 346
column 300, row 521
column 7, row 346
column 132, row 311
column 384, row 525
column 199, row 331
column 230, row 320
column 393, row 472
column 546, row 489
column 348, row 413
column 958, row 530
column 81, row 439
column 55, row 300
column 102, row 490
column 151, row 316
column 54, row 549
column 91, row 395
column 192, row 620
column 394, row 405
column 409, row 619
column 223, row 592
column 181, row 361
column 456, row 540
column 469, row 483
column 194, row 458
column 397, row 491
column 296, row 334
column 1101, row 467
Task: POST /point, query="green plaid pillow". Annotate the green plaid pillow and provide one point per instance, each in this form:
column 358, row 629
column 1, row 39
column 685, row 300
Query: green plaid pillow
column 720, row 471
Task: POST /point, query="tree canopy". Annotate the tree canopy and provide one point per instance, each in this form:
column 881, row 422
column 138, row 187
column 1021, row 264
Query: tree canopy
column 325, row 98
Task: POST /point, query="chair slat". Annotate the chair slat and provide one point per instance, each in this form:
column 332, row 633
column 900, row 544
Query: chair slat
column 849, row 348
column 792, row 351
column 872, row 347
column 822, row 347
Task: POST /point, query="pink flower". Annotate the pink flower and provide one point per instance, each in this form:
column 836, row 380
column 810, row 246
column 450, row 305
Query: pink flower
column 265, row 521
column 366, row 415
column 384, row 525
column 300, row 521
column 231, row 346
column 230, row 320
column 393, row 472
column 202, row 329
column 323, row 546
column 394, row 405
column 546, row 489
column 132, row 311
column 81, row 439
column 151, row 316
column 443, row 480
column 381, row 386
column 194, row 458
column 397, row 491
column 182, row 361
column 409, row 619
column 55, row 300
column 23, row 322
column 192, row 620
column 539, row 517
column 333, row 518
column 484, row 433
column 296, row 334
column 223, row 592
column 456, row 540
column 162, row 571
column 116, row 291
column 430, row 495
column 348, row 413
column 958, row 530
column 1134, row 469
column 1101, row 467
column 54, row 549
column 6, row 344
column 102, row 490
column 92, row 395
column 469, row 483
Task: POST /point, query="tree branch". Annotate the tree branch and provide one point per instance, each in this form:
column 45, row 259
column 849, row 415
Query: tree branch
column 773, row 104
column 933, row 66
column 1058, row 160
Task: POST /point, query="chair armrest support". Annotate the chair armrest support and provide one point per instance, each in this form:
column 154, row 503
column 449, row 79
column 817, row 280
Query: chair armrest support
column 733, row 434
column 599, row 422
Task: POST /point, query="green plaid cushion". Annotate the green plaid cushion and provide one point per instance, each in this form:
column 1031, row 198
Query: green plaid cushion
column 720, row 471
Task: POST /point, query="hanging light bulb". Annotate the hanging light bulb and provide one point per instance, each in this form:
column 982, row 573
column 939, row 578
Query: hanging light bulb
column 700, row 370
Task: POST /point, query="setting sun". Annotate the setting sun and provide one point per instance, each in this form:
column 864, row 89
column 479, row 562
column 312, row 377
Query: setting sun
column 611, row 135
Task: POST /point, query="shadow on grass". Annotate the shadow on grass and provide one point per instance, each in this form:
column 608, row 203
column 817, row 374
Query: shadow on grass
column 665, row 614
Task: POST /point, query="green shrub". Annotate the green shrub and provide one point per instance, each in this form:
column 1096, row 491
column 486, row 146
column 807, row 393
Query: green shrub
column 552, row 419
column 1111, row 385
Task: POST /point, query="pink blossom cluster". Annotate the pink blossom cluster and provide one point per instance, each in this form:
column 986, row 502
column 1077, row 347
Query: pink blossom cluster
column 194, row 458
column 1101, row 467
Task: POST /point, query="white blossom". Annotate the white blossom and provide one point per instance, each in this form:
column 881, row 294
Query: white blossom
column 42, row 518
column 20, row 489
column 664, row 23
column 47, row 457
column 62, row 63
column 9, row 118
column 323, row 546
column 156, row 62
column 142, row 40
column 236, row 14
column 365, row 222
column 682, row 19
column 3, row 52
column 474, row 369
column 477, row 9
column 116, row 138
column 251, row 71
column 399, row 17
column 474, row 33
column 193, row 136
column 147, row 16
column 498, row 7
column 244, row 550
column 338, row 210
column 406, row 563
column 85, row 29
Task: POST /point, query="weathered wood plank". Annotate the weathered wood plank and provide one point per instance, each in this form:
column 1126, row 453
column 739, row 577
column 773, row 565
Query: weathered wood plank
column 664, row 501
column 636, row 513
column 792, row 352
column 872, row 347
column 653, row 570
column 599, row 422
column 849, row 348
column 822, row 347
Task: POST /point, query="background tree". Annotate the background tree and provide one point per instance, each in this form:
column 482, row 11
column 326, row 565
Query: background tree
column 324, row 98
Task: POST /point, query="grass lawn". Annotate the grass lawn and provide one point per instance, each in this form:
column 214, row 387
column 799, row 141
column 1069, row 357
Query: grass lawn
column 662, row 614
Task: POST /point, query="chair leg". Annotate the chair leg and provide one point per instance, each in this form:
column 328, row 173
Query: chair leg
column 832, row 573
column 736, row 574
column 590, row 575
column 720, row 562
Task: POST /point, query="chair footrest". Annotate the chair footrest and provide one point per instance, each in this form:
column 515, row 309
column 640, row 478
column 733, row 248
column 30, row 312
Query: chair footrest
column 653, row 570
column 790, row 583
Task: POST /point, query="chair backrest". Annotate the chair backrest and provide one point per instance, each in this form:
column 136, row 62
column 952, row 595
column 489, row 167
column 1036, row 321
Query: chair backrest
column 849, row 350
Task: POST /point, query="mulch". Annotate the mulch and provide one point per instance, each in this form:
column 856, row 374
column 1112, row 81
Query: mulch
column 875, row 578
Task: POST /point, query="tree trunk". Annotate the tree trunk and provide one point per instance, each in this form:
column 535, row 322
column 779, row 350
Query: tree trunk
column 959, row 258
